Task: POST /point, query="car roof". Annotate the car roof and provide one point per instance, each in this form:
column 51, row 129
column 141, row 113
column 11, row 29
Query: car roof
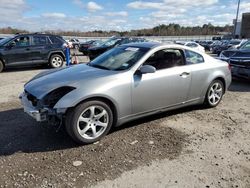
column 143, row 44
column 151, row 45
column 36, row 34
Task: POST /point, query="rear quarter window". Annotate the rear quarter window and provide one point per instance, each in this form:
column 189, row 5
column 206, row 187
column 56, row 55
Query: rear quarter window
column 56, row 40
column 193, row 57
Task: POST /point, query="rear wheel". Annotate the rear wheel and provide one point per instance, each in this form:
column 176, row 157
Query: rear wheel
column 56, row 61
column 89, row 121
column 77, row 47
column 214, row 93
column 1, row 66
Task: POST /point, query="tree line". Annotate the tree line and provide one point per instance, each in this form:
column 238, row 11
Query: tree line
column 160, row 30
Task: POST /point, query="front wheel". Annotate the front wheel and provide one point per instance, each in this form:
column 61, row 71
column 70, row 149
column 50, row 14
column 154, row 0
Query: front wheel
column 214, row 93
column 56, row 61
column 1, row 66
column 89, row 121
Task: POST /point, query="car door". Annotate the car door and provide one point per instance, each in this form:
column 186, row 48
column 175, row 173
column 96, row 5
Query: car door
column 18, row 51
column 39, row 51
column 167, row 87
column 200, row 74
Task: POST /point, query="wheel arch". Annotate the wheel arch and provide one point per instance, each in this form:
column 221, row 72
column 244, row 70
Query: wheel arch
column 106, row 100
column 209, row 81
column 57, row 53
column 223, row 81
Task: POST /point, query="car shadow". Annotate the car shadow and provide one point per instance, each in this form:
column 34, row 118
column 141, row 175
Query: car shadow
column 20, row 133
column 239, row 85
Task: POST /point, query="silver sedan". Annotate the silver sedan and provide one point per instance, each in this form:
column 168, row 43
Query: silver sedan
column 128, row 82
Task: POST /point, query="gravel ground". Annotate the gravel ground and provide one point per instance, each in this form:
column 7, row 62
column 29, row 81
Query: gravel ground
column 191, row 147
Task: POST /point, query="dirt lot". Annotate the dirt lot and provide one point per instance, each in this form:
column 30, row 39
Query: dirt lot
column 192, row 147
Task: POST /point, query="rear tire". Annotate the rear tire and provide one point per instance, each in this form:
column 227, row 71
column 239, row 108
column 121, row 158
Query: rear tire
column 77, row 47
column 214, row 93
column 56, row 61
column 89, row 122
column 1, row 66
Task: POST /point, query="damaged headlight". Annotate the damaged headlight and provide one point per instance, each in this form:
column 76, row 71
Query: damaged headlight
column 54, row 96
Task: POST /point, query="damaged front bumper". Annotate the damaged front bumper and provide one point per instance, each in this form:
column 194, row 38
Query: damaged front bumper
column 38, row 114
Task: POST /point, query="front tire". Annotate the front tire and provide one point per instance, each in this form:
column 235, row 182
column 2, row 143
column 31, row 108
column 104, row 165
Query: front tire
column 214, row 93
column 89, row 121
column 56, row 61
column 1, row 66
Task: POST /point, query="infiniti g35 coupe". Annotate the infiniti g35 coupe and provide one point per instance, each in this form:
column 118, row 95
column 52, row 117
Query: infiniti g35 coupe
column 125, row 83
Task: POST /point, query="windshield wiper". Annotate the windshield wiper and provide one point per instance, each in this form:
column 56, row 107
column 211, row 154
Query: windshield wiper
column 99, row 66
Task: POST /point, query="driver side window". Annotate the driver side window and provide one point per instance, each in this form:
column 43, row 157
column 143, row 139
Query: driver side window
column 21, row 41
column 166, row 58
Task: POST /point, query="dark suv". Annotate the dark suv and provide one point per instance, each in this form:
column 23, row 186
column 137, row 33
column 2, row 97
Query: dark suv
column 95, row 51
column 32, row 49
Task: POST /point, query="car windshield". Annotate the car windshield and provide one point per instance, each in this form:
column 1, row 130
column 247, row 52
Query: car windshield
column 121, row 58
column 5, row 40
column 97, row 43
column 109, row 42
column 246, row 46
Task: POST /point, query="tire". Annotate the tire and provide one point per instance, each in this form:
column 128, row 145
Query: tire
column 214, row 93
column 77, row 47
column 1, row 66
column 56, row 61
column 89, row 121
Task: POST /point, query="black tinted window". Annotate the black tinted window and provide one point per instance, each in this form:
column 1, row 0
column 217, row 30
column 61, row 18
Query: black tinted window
column 193, row 57
column 55, row 40
column 166, row 59
column 39, row 40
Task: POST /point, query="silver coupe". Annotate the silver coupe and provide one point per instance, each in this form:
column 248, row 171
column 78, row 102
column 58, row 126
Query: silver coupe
column 125, row 83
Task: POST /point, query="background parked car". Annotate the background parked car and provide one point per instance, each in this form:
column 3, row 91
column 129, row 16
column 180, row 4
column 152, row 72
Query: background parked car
column 32, row 49
column 226, row 45
column 86, row 45
column 75, row 43
column 95, row 51
column 191, row 44
column 206, row 44
column 239, row 59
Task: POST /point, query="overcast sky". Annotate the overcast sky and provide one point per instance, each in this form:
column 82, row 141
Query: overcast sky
column 40, row 15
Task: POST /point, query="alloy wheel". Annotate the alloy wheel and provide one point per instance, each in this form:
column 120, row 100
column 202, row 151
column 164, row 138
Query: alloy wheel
column 57, row 62
column 215, row 93
column 93, row 122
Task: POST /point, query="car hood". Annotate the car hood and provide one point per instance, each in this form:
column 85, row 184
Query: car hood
column 236, row 53
column 73, row 76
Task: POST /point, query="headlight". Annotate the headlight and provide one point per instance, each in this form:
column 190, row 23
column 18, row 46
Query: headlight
column 54, row 96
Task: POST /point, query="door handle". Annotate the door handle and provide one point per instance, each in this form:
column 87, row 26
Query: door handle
column 185, row 74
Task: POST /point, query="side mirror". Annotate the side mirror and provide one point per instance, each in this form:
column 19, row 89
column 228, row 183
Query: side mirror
column 147, row 69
